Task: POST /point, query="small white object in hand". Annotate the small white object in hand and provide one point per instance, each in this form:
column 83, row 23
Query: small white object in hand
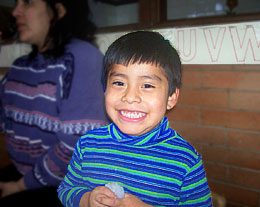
column 117, row 189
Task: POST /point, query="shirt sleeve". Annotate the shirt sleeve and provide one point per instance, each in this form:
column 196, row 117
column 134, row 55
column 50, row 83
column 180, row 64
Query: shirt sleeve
column 195, row 190
column 81, row 108
column 71, row 188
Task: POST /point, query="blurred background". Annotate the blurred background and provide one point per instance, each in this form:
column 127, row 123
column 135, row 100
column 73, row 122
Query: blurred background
column 123, row 12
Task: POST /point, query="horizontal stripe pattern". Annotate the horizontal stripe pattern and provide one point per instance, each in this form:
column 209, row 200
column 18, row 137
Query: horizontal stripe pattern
column 50, row 124
column 47, row 104
column 44, row 90
column 36, row 70
column 160, row 168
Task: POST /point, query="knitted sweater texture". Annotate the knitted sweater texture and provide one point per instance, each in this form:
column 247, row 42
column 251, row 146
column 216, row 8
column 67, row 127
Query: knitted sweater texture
column 47, row 104
column 159, row 167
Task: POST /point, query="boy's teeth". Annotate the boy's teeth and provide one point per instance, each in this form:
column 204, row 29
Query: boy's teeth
column 132, row 115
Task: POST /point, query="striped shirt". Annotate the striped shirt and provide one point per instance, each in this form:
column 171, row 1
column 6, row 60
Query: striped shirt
column 159, row 167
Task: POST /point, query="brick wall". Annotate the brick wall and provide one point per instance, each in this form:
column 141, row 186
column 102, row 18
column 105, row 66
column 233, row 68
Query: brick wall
column 219, row 114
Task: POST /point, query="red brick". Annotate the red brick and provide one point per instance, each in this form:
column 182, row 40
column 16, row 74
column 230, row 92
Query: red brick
column 215, row 171
column 200, row 133
column 191, row 79
column 244, row 177
column 236, row 194
column 208, row 67
column 221, row 67
column 184, row 114
column 232, row 80
column 223, row 155
column 234, row 205
column 246, row 67
column 245, row 140
column 245, row 100
column 231, row 119
column 203, row 98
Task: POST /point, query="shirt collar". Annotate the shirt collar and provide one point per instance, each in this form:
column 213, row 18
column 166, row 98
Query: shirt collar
column 153, row 137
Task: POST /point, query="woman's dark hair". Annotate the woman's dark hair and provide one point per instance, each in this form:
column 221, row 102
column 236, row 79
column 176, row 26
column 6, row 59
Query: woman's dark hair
column 75, row 23
column 145, row 47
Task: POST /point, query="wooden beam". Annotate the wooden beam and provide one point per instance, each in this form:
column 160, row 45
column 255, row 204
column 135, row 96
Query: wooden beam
column 152, row 12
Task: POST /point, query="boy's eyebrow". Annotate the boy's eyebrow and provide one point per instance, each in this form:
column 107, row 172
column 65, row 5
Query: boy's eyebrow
column 116, row 74
column 152, row 77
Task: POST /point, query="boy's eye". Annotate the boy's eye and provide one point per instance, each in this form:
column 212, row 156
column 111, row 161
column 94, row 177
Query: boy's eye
column 148, row 86
column 118, row 83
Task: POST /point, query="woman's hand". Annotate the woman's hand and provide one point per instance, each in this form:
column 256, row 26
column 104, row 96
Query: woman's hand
column 12, row 187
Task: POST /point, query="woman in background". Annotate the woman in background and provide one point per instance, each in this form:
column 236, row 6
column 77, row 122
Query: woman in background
column 48, row 98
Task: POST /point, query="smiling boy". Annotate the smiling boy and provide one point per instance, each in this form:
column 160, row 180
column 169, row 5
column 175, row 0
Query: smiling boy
column 154, row 164
column 137, row 97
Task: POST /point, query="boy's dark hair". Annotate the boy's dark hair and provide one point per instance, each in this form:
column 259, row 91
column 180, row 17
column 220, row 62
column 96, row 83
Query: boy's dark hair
column 76, row 23
column 145, row 47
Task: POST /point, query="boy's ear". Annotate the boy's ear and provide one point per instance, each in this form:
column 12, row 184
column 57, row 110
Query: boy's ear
column 172, row 99
column 61, row 10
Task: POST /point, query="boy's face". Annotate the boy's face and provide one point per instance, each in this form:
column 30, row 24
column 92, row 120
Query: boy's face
column 137, row 97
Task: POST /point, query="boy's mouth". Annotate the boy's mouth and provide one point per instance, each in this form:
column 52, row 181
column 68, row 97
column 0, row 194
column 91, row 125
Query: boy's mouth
column 132, row 114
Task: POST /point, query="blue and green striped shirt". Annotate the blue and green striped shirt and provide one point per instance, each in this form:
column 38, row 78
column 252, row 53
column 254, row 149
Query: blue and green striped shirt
column 159, row 167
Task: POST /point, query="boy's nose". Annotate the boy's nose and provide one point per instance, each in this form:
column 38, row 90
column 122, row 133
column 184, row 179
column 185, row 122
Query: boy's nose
column 131, row 95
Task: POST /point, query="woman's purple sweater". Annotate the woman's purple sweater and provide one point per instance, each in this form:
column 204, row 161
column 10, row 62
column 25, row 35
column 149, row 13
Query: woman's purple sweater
column 46, row 105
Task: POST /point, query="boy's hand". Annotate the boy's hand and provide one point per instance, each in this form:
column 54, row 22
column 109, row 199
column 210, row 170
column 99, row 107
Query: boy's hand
column 100, row 197
column 129, row 201
column 103, row 197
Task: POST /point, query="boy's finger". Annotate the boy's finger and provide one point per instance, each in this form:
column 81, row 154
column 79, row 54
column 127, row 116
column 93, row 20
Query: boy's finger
column 109, row 193
column 106, row 201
